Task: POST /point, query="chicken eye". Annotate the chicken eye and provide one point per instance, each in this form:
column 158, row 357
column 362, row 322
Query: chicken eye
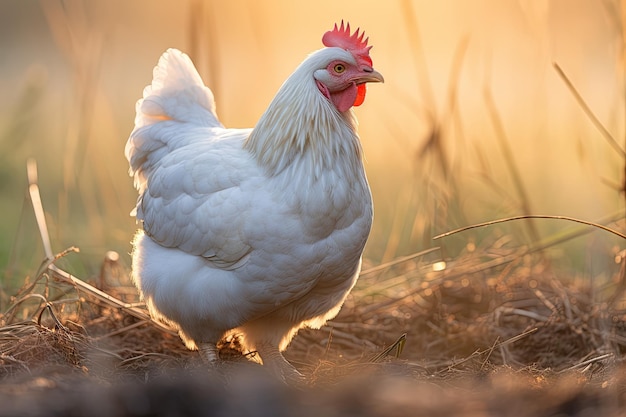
column 339, row 68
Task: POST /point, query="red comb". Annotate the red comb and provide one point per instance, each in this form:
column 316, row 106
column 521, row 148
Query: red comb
column 340, row 37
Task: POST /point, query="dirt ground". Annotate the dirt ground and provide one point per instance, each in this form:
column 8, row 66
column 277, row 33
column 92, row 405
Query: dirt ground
column 497, row 332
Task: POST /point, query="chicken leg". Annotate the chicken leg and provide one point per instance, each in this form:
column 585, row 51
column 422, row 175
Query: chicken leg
column 209, row 353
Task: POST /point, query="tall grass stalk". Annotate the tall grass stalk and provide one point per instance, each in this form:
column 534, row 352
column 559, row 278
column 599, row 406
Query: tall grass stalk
column 511, row 164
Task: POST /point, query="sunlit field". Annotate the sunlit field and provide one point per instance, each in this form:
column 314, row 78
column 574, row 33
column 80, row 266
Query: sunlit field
column 489, row 110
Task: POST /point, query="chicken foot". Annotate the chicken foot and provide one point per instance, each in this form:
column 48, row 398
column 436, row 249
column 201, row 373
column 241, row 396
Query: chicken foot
column 276, row 363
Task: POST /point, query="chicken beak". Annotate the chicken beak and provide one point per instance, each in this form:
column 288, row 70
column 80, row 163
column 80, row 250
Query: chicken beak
column 370, row 75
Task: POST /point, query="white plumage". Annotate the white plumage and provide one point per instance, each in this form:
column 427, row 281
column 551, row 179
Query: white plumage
column 255, row 231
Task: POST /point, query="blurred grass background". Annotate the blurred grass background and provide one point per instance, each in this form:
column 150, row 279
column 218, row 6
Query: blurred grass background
column 473, row 122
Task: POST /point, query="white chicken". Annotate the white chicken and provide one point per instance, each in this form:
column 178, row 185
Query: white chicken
column 254, row 231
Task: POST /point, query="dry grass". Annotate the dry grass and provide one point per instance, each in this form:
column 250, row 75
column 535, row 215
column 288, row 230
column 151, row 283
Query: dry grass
column 497, row 332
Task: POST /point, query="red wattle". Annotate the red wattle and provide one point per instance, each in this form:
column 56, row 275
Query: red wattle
column 360, row 94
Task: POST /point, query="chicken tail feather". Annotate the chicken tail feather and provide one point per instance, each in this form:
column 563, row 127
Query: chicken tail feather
column 176, row 93
column 176, row 101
